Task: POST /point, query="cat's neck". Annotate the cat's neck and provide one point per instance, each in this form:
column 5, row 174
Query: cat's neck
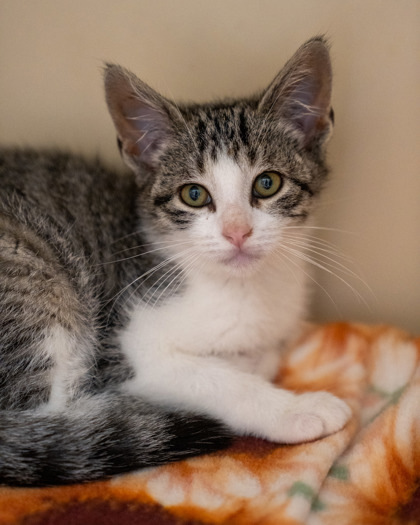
column 273, row 285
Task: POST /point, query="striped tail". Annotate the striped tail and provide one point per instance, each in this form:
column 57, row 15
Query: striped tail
column 98, row 437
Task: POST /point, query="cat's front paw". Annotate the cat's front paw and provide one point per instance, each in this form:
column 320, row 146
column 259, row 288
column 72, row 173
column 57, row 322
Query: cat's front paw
column 314, row 415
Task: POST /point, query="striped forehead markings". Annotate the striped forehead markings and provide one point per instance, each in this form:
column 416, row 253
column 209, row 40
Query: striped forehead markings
column 220, row 127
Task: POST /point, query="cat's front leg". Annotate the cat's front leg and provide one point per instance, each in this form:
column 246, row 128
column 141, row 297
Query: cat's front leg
column 246, row 403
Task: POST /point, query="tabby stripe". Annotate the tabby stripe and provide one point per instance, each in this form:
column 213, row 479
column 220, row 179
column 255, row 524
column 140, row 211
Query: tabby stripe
column 179, row 217
column 162, row 199
column 201, row 132
column 243, row 128
column 304, row 186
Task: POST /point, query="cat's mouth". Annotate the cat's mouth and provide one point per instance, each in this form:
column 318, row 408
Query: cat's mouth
column 241, row 259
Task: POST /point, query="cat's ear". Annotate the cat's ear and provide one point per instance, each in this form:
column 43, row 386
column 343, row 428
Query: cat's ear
column 301, row 93
column 141, row 116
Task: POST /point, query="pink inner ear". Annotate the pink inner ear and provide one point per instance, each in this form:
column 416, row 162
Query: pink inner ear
column 140, row 115
column 309, row 107
column 144, row 129
column 301, row 92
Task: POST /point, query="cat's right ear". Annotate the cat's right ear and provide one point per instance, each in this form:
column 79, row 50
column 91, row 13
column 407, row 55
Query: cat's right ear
column 141, row 117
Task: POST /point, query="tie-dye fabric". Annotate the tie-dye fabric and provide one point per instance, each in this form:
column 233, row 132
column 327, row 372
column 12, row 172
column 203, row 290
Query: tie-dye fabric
column 366, row 474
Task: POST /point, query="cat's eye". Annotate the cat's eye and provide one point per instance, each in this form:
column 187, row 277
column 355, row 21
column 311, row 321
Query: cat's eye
column 195, row 195
column 267, row 184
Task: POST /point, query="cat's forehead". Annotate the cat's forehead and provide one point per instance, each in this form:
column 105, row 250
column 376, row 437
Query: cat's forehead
column 223, row 128
column 225, row 147
column 228, row 177
column 237, row 131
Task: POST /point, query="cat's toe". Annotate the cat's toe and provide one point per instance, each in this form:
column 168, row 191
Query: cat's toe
column 333, row 411
column 300, row 428
column 313, row 416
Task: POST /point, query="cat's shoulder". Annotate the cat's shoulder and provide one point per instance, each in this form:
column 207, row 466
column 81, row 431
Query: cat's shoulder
column 45, row 170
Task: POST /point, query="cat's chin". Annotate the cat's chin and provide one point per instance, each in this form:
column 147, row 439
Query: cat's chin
column 241, row 262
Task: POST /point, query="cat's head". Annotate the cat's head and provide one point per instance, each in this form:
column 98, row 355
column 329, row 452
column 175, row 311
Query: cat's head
column 223, row 180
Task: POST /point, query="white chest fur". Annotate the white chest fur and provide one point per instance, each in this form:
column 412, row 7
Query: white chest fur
column 211, row 349
column 244, row 321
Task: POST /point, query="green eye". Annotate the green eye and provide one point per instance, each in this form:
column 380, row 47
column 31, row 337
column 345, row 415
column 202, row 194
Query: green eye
column 195, row 195
column 267, row 184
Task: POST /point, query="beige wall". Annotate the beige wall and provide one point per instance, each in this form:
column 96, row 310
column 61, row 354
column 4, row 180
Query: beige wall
column 51, row 53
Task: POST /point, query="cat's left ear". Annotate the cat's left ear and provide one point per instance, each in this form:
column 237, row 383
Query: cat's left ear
column 143, row 118
column 301, row 93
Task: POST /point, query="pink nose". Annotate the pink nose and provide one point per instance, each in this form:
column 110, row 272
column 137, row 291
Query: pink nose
column 237, row 236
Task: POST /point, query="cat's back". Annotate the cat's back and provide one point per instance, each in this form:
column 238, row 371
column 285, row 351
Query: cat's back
column 62, row 180
column 63, row 215
column 46, row 190
column 32, row 171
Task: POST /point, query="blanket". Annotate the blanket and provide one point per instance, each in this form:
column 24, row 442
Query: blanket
column 366, row 474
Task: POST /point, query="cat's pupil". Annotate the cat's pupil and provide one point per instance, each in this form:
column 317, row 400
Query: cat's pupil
column 195, row 193
column 266, row 182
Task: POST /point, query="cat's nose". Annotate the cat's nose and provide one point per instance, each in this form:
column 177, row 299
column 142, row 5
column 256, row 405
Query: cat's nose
column 237, row 236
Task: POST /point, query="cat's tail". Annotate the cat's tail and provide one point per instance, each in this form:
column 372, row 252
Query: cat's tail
column 98, row 437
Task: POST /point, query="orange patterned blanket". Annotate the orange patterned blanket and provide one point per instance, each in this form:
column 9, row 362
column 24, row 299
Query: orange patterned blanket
column 368, row 473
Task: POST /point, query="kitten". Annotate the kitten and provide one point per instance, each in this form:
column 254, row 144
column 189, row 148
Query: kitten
column 143, row 316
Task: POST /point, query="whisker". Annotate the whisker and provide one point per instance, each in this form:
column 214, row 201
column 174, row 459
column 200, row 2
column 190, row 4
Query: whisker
column 313, row 240
column 153, row 243
column 187, row 271
column 309, row 237
column 174, row 244
column 185, row 268
column 320, row 228
column 284, row 256
column 324, row 249
column 166, row 276
column 324, row 267
column 320, row 249
column 138, row 232
column 164, row 263
column 146, row 274
column 332, row 262
column 153, row 288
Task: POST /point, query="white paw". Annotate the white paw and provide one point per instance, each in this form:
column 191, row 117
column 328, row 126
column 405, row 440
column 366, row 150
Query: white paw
column 313, row 415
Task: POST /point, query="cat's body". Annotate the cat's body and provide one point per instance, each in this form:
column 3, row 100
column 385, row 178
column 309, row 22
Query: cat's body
column 132, row 303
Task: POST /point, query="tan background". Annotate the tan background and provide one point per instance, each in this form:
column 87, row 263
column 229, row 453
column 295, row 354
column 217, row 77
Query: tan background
column 51, row 53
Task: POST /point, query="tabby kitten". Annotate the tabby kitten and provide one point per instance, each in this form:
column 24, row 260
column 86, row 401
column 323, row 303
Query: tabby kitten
column 143, row 316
